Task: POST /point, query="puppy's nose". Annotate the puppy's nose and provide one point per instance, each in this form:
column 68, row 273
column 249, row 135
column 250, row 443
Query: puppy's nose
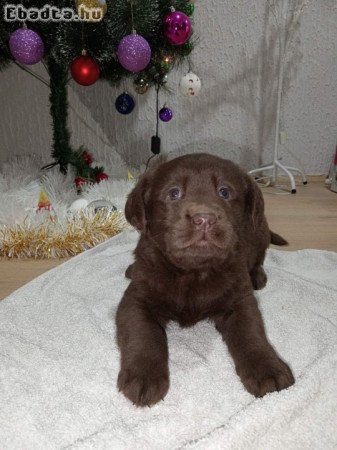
column 204, row 220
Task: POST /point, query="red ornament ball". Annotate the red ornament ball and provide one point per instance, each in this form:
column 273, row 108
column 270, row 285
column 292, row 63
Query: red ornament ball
column 85, row 70
column 79, row 182
column 101, row 176
column 87, row 157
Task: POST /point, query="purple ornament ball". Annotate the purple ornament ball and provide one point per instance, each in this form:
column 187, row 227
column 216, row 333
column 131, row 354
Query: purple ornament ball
column 26, row 46
column 177, row 28
column 165, row 114
column 134, row 53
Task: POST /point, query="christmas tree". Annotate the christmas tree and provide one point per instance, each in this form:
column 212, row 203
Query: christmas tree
column 112, row 40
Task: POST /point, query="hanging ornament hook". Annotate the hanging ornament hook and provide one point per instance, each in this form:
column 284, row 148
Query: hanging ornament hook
column 132, row 17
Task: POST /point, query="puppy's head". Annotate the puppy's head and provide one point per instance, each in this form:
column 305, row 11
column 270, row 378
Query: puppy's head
column 194, row 209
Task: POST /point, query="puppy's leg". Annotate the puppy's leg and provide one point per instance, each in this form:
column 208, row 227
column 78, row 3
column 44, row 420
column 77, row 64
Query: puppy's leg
column 128, row 272
column 258, row 277
column 144, row 374
column 256, row 362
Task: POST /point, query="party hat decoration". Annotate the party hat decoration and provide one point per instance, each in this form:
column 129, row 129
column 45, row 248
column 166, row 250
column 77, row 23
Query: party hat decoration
column 44, row 203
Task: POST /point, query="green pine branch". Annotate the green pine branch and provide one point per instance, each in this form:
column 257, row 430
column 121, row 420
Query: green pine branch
column 64, row 41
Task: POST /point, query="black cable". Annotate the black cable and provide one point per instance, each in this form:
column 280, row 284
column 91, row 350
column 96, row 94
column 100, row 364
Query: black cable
column 148, row 162
column 155, row 140
column 157, row 108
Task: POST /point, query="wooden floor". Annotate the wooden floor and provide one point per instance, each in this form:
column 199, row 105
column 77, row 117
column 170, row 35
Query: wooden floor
column 307, row 219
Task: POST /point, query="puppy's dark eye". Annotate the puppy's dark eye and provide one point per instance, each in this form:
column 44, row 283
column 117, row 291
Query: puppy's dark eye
column 224, row 192
column 174, row 193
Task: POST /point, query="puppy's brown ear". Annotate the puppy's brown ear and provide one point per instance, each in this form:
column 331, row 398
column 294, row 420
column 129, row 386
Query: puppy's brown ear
column 136, row 202
column 254, row 203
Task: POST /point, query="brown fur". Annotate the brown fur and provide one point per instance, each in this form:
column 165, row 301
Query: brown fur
column 199, row 256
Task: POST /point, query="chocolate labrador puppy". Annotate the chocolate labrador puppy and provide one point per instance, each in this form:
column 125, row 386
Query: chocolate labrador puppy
column 200, row 254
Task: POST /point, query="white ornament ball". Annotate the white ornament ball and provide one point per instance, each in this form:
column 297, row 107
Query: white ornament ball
column 190, row 85
column 78, row 205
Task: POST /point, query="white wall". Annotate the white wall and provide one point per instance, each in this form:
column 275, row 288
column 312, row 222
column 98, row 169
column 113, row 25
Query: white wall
column 234, row 113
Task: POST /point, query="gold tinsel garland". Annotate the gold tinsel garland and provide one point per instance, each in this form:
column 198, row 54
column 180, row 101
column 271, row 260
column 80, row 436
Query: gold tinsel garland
column 54, row 240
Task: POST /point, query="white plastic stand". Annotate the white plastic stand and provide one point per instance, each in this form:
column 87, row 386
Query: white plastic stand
column 276, row 165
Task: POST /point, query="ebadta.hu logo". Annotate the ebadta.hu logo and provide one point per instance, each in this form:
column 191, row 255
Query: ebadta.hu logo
column 86, row 10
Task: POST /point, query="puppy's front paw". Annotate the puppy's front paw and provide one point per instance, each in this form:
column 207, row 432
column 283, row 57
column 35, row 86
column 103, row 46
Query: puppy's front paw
column 143, row 389
column 261, row 376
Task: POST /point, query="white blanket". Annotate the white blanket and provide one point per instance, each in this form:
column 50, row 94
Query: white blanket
column 59, row 363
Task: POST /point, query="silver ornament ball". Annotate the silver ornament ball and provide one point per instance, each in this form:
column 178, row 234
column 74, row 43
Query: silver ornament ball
column 102, row 205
